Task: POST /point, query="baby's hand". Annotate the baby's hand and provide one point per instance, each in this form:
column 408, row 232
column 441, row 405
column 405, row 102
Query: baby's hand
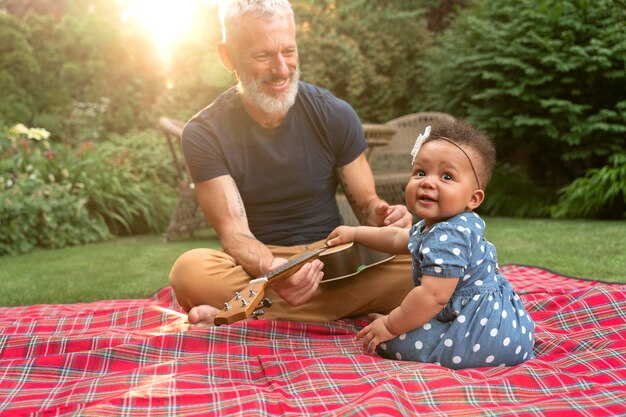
column 342, row 234
column 375, row 333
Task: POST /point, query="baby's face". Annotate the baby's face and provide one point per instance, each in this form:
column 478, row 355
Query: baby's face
column 442, row 182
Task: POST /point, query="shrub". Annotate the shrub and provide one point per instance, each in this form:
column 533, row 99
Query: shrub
column 544, row 77
column 18, row 71
column 129, row 180
column 512, row 193
column 38, row 213
column 39, row 205
column 50, row 67
column 86, row 121
column 53, row 196
column 364, row 52
column 600, row 193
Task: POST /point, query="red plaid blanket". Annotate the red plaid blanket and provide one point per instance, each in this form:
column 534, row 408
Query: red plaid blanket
column 134, row 358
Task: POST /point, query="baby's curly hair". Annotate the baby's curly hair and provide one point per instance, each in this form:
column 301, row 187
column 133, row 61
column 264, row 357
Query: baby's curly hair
column 473, row 139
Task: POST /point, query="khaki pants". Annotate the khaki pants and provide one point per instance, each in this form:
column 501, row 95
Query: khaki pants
column 207, row 276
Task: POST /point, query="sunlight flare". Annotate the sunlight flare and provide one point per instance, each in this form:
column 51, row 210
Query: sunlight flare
column 166, row 20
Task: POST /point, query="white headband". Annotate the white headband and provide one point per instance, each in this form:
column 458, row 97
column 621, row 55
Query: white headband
column 419, row 142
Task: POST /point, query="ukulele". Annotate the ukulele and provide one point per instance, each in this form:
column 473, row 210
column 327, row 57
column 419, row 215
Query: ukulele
column 340, row 262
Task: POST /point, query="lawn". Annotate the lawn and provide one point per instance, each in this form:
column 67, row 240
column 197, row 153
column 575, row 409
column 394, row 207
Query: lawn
column 135, row 267
column 127, row 267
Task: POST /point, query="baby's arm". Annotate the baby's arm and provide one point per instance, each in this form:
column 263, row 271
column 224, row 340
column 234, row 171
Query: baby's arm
column 388, row 239
column 418, row 308
column 421, row 304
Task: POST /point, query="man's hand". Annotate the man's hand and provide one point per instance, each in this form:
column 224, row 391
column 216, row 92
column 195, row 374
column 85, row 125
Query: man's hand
column 299, row 287
column 396, row 215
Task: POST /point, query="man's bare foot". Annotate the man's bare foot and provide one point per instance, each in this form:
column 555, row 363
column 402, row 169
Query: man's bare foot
column 202, row 316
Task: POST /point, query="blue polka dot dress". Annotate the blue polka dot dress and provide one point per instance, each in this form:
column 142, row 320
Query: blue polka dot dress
column 485, row 322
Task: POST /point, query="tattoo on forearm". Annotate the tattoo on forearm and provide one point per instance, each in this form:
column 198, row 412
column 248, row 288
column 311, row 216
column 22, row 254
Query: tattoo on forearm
column 361, row 214
column 242, row 209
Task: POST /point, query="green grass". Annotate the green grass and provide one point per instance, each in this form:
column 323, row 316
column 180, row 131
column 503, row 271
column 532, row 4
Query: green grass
column 128, row 267
column 584, row 249
column 135, row 267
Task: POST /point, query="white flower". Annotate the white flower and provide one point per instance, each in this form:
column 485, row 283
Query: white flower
column 35, row 133
column 419, row 142
column 19, row 129
column 38, row 133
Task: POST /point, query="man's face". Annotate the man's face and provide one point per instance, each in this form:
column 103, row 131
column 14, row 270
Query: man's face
column 266, row 63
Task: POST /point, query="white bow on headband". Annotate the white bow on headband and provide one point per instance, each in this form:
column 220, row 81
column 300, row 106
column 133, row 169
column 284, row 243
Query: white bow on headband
column 419, row 142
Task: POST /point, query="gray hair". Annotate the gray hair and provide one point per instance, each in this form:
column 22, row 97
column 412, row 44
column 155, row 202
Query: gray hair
column 232, row 12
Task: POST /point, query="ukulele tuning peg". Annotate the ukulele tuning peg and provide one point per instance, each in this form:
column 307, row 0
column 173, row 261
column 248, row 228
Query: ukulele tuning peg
column 257, row 313
column 266, row 302
column 226, row 307
column 252, row 293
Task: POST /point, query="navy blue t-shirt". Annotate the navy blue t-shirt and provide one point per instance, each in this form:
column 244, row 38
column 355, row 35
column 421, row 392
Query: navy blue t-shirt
column 287, row 175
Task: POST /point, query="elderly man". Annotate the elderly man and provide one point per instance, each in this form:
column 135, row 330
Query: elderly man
column 266, row 157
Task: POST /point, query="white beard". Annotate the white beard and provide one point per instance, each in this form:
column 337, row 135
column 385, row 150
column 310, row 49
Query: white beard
column 251, row 91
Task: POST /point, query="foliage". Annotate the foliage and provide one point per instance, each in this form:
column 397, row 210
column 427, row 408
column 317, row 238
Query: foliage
column 39, row 205
column 53, row 195
column 82, row 54
column 544, row 77
column 195, row 75
column 442, row 12
column 86, row 121
column 18, row 70
column 600, row 193
column 363, row 51
column 48, row 66
column 512, row 193
column 129, row 181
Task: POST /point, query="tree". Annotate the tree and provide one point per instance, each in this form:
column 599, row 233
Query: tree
column 364, row 52
column 18, row 71
column 54, row 73
column 544, row 77
column 195, row 75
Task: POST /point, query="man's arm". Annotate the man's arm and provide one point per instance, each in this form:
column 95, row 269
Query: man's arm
column 357, row 181
column 222, row 205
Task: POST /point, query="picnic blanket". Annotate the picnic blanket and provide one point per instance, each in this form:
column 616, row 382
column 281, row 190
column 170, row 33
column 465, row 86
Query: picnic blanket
column 136, row 358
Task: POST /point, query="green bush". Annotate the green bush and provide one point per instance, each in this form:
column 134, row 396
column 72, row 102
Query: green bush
column 544, row 77
column 600, row 193
column 53, row 195
column 364, row 52
column 37, row 213
column 18, row 71
column 52, row 68
column 512, row 193
column 39, row 205
column 129, row 180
